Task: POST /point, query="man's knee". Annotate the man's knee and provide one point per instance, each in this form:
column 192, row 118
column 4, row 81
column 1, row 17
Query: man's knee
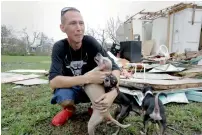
column 66, row 103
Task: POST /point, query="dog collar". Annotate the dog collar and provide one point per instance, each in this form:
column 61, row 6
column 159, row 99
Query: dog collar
column 148, row 92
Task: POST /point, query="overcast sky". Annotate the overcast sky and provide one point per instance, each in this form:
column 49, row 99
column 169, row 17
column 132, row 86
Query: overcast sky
column 44, row 16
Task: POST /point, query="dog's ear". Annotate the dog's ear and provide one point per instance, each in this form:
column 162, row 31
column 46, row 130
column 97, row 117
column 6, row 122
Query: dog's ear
column 151, row 88
column 144, row 89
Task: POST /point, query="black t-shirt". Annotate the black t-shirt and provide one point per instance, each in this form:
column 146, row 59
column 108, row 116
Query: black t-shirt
column 67, row 62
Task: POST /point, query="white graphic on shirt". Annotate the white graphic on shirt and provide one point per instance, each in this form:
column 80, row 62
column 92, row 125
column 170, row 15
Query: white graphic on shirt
column 76, row 66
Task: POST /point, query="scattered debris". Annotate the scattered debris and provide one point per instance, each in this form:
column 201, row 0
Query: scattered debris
column 162, row 84
column 174, row 97
column 192, row 72
column 194, row 61
column 28, row 71
column 200, row 62
column 191, row 54
column 34, row 81
column 30, row 79
column 166, row 68
column 12, row 77
column 172, row 77
column 179, row 97
column 194, row 69
column 153, row 76
column 163, row 81
column 194, row 95
column 137, row 94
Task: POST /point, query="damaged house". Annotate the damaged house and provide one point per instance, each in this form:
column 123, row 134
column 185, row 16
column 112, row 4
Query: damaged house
column 178, row 27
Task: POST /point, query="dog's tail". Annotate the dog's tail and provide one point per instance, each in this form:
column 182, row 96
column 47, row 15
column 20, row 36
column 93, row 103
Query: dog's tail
column 156, row 102
column 118, row 123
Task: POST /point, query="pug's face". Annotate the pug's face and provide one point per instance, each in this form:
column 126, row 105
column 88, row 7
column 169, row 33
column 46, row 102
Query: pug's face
column 110, row 81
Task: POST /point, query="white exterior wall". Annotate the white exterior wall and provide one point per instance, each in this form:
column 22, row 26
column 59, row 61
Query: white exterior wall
column 120, row 33
column 171, row 32
column 147, row 31
column 159, row 33
column 182, row 33
column 144, row 30
column 138, row 28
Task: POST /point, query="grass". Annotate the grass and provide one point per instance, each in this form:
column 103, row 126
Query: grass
column 24, row 62
column 27, row 110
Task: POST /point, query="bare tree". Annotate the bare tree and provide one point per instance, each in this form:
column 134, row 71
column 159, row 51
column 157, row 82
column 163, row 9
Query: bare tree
column 102, row 37
column 43, row 39
column 28, row 39
column 5, row 34
column 90, row 31
column 112, row 27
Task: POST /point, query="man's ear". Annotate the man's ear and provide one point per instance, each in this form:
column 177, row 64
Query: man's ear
column 62, row 28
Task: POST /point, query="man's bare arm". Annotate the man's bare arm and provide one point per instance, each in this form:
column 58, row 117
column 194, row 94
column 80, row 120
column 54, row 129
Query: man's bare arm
column 67, row 81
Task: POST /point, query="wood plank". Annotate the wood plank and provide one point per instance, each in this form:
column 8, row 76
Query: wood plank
column 179, row 90
column 153, row 76
column 162, row 84
column 168, row 32
column 194, row 69
column 34, row 81
column 27, row 71
column 192, row 72
column 11, row 77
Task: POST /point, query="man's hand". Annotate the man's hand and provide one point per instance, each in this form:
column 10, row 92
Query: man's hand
column 96, row 77
column 105, row 101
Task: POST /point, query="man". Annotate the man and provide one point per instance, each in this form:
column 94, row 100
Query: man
column 72, row 58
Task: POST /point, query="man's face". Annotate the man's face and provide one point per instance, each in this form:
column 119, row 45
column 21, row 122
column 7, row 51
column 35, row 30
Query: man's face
column 73, row 26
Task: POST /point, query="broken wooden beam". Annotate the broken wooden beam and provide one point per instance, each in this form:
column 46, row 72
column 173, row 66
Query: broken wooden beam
column 162, row 84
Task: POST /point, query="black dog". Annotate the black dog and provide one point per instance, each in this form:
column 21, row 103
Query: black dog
column 153, row 109
column 125, row 106
column 124, row 101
